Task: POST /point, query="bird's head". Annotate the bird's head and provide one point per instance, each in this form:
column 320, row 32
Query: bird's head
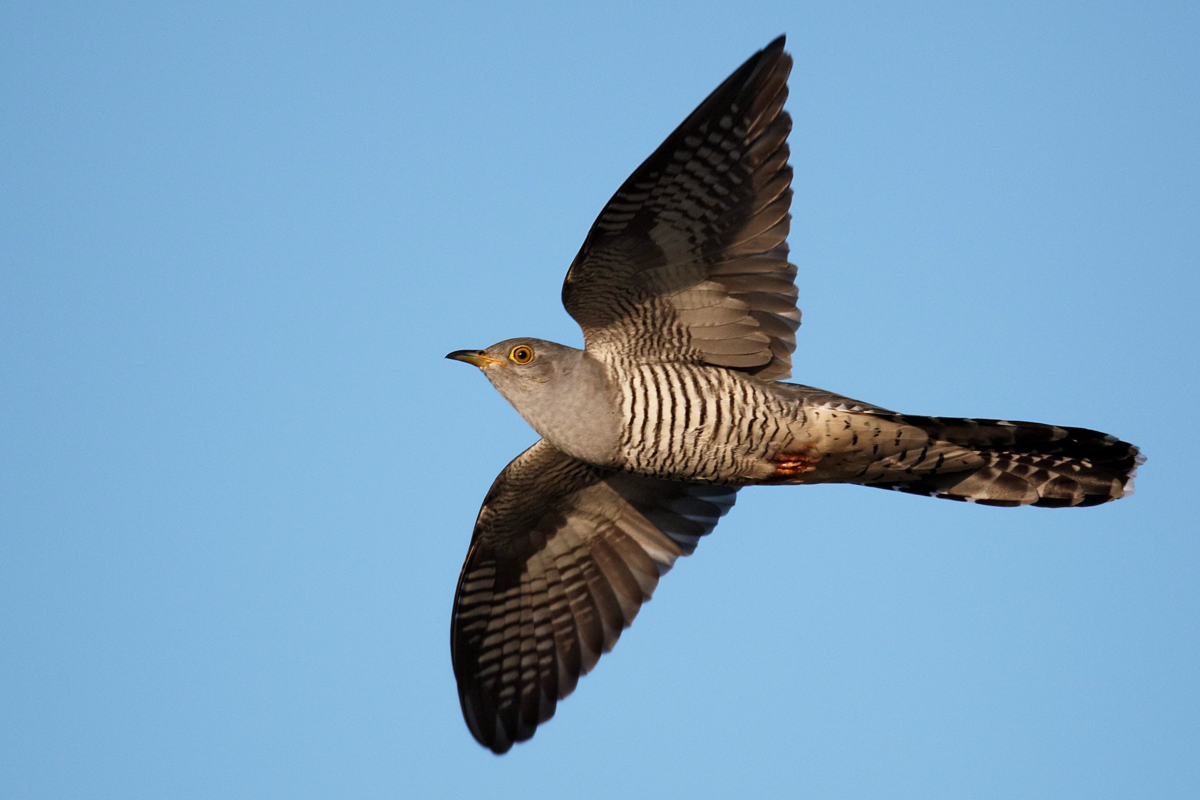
column 519, row 368
column 562, row 392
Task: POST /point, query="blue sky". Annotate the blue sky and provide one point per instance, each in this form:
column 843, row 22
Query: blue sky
column 237, row 478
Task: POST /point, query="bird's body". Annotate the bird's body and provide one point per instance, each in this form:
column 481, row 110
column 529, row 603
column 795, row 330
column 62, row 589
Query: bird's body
column 688, row 307
column 677, row 421
column 694, row 422
column 703, row 423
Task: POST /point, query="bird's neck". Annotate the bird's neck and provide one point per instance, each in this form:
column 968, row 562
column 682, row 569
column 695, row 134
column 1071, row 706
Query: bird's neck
column 580, row 417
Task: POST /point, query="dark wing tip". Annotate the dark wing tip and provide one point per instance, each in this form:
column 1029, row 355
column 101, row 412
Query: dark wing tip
column 774, row 50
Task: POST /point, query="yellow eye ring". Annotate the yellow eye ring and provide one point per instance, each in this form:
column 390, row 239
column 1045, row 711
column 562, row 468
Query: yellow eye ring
column 521, row 354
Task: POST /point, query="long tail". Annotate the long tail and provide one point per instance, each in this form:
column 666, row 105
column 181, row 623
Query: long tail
column 989, row 461
column 1003, row 463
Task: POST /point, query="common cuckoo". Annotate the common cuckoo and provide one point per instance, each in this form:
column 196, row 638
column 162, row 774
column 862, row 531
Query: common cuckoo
column 688, row 308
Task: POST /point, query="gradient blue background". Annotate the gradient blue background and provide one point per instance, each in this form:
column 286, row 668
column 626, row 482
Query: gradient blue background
column 237, row 479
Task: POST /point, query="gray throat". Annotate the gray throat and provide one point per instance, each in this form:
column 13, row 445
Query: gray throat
column 576, row 411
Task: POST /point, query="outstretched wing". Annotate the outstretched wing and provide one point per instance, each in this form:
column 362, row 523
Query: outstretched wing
column 562, row 557
column 688, row 260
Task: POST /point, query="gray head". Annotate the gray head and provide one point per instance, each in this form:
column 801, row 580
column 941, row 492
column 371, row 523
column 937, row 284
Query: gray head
column 554, row 387
column 519, row 367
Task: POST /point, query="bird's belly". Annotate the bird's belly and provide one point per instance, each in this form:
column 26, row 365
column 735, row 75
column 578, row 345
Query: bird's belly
column 703, row 424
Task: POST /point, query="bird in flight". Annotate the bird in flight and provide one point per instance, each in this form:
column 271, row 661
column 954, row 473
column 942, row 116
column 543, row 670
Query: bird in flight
column 688, row 308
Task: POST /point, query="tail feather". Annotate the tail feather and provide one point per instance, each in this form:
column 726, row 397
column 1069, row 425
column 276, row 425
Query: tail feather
column 1001, row 463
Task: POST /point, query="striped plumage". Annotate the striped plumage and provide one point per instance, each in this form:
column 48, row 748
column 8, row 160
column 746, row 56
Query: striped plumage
column 562, row 558
column 688, row 260
column 993, row 462
column 691, row 422
column 700, row 423
column 688, row 309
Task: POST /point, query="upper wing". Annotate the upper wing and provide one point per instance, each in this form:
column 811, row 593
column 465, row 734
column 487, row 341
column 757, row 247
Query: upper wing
column 688, row 261
column 562, row 557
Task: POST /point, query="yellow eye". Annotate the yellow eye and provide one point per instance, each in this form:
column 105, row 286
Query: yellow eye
column 521, row 354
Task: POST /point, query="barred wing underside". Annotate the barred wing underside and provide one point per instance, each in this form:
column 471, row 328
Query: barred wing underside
column 688, row 260
column 562, row 557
